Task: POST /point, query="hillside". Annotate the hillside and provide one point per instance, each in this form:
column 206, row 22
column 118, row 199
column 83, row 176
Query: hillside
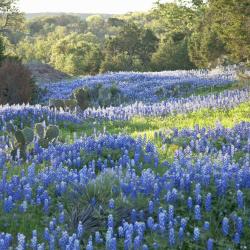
column 159, row 167
column 53, row 14
column 45, row 73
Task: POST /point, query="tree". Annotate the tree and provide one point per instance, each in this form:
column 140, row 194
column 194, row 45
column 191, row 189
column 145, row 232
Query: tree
column 171, row 55
column 1, row 50
column 10, row 16
column 16, row 84
column 121, row 61
column 222, row 35
column 96, row 25
column 75, row 56
column 133, row 45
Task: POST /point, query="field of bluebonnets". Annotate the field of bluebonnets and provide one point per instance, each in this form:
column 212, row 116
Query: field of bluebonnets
column 163, row 165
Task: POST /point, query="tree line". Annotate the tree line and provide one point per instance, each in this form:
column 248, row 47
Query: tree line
column 186, row 34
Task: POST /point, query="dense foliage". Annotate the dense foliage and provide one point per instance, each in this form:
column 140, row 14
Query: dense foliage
column 171, row 36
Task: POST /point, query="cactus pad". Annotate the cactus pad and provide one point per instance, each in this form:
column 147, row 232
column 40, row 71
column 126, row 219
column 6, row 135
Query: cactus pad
column 28, row 135
column 20, row 137
column 44, row 143
column 52, row 132
column 10, row 128
column 39, row 129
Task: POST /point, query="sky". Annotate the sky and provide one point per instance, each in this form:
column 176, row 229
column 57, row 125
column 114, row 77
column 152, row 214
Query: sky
column 86, row 6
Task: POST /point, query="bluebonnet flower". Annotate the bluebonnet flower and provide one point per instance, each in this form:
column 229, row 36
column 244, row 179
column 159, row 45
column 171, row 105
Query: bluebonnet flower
column 162, row 220
column 21, row 244
column 76, row 244
column 197, row 212
column 137, row 243
column 183, row 223
column 171, row 237
column 181, row 234
column 225, row 226
column 80, row 230
column 90, row 244
column 120, row 232
column 189, row 203
column 133, row 215
column 210, row 244
column 150, row 222
column 150, row 207
column 240, row 199
column 98, row 238
column 2, row 158
column 206, row 226
column 46, row 234
column 111, row 204
column 46, row 206
column 208, row 202
column 113, row 245
column 156, row 246
column 196, row 234
column 239, row 225
column 52, row 243
column 33, row 243
column 236, row 238
column 110, row 221
column 170, row 212
column 61, row 217
column 8, row 204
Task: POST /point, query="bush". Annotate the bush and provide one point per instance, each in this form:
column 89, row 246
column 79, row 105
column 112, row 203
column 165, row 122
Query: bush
column 82, row 97
column 16, row 83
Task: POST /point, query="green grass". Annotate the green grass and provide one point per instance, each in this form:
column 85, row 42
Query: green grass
column 148, row 125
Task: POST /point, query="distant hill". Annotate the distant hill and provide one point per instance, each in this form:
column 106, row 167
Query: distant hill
column 49, row 14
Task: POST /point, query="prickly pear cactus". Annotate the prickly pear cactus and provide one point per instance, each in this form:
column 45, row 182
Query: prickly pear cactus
column 28, row 135
column 104, row 97
column 56, row 103
column 10, row 128
column 52, row 132
column 39, row 129
column 71, row 104
column 82, row 97
column 44, row 143
column 20, row 137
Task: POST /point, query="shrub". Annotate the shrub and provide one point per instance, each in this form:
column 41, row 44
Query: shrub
column 82, row 97
column 56, row 103
column 16, row 83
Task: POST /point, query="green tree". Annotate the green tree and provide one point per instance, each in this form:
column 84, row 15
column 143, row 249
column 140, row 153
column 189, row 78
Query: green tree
column 133, row 45
column 171, row 55
column 96, row 25
column 222, row 35
column 75, row 56
column 121, row 61
column 10, row 16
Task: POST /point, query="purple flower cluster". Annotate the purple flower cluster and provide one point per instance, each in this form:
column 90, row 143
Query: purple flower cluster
column 224, row 100
column 183, row 199
column 144, row 86
column 28, row 114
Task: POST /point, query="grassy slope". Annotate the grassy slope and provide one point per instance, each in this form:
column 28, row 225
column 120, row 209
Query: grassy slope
column 148, row 125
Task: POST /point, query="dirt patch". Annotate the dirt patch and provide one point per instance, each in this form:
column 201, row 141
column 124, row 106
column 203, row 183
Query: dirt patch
column 44, row 73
